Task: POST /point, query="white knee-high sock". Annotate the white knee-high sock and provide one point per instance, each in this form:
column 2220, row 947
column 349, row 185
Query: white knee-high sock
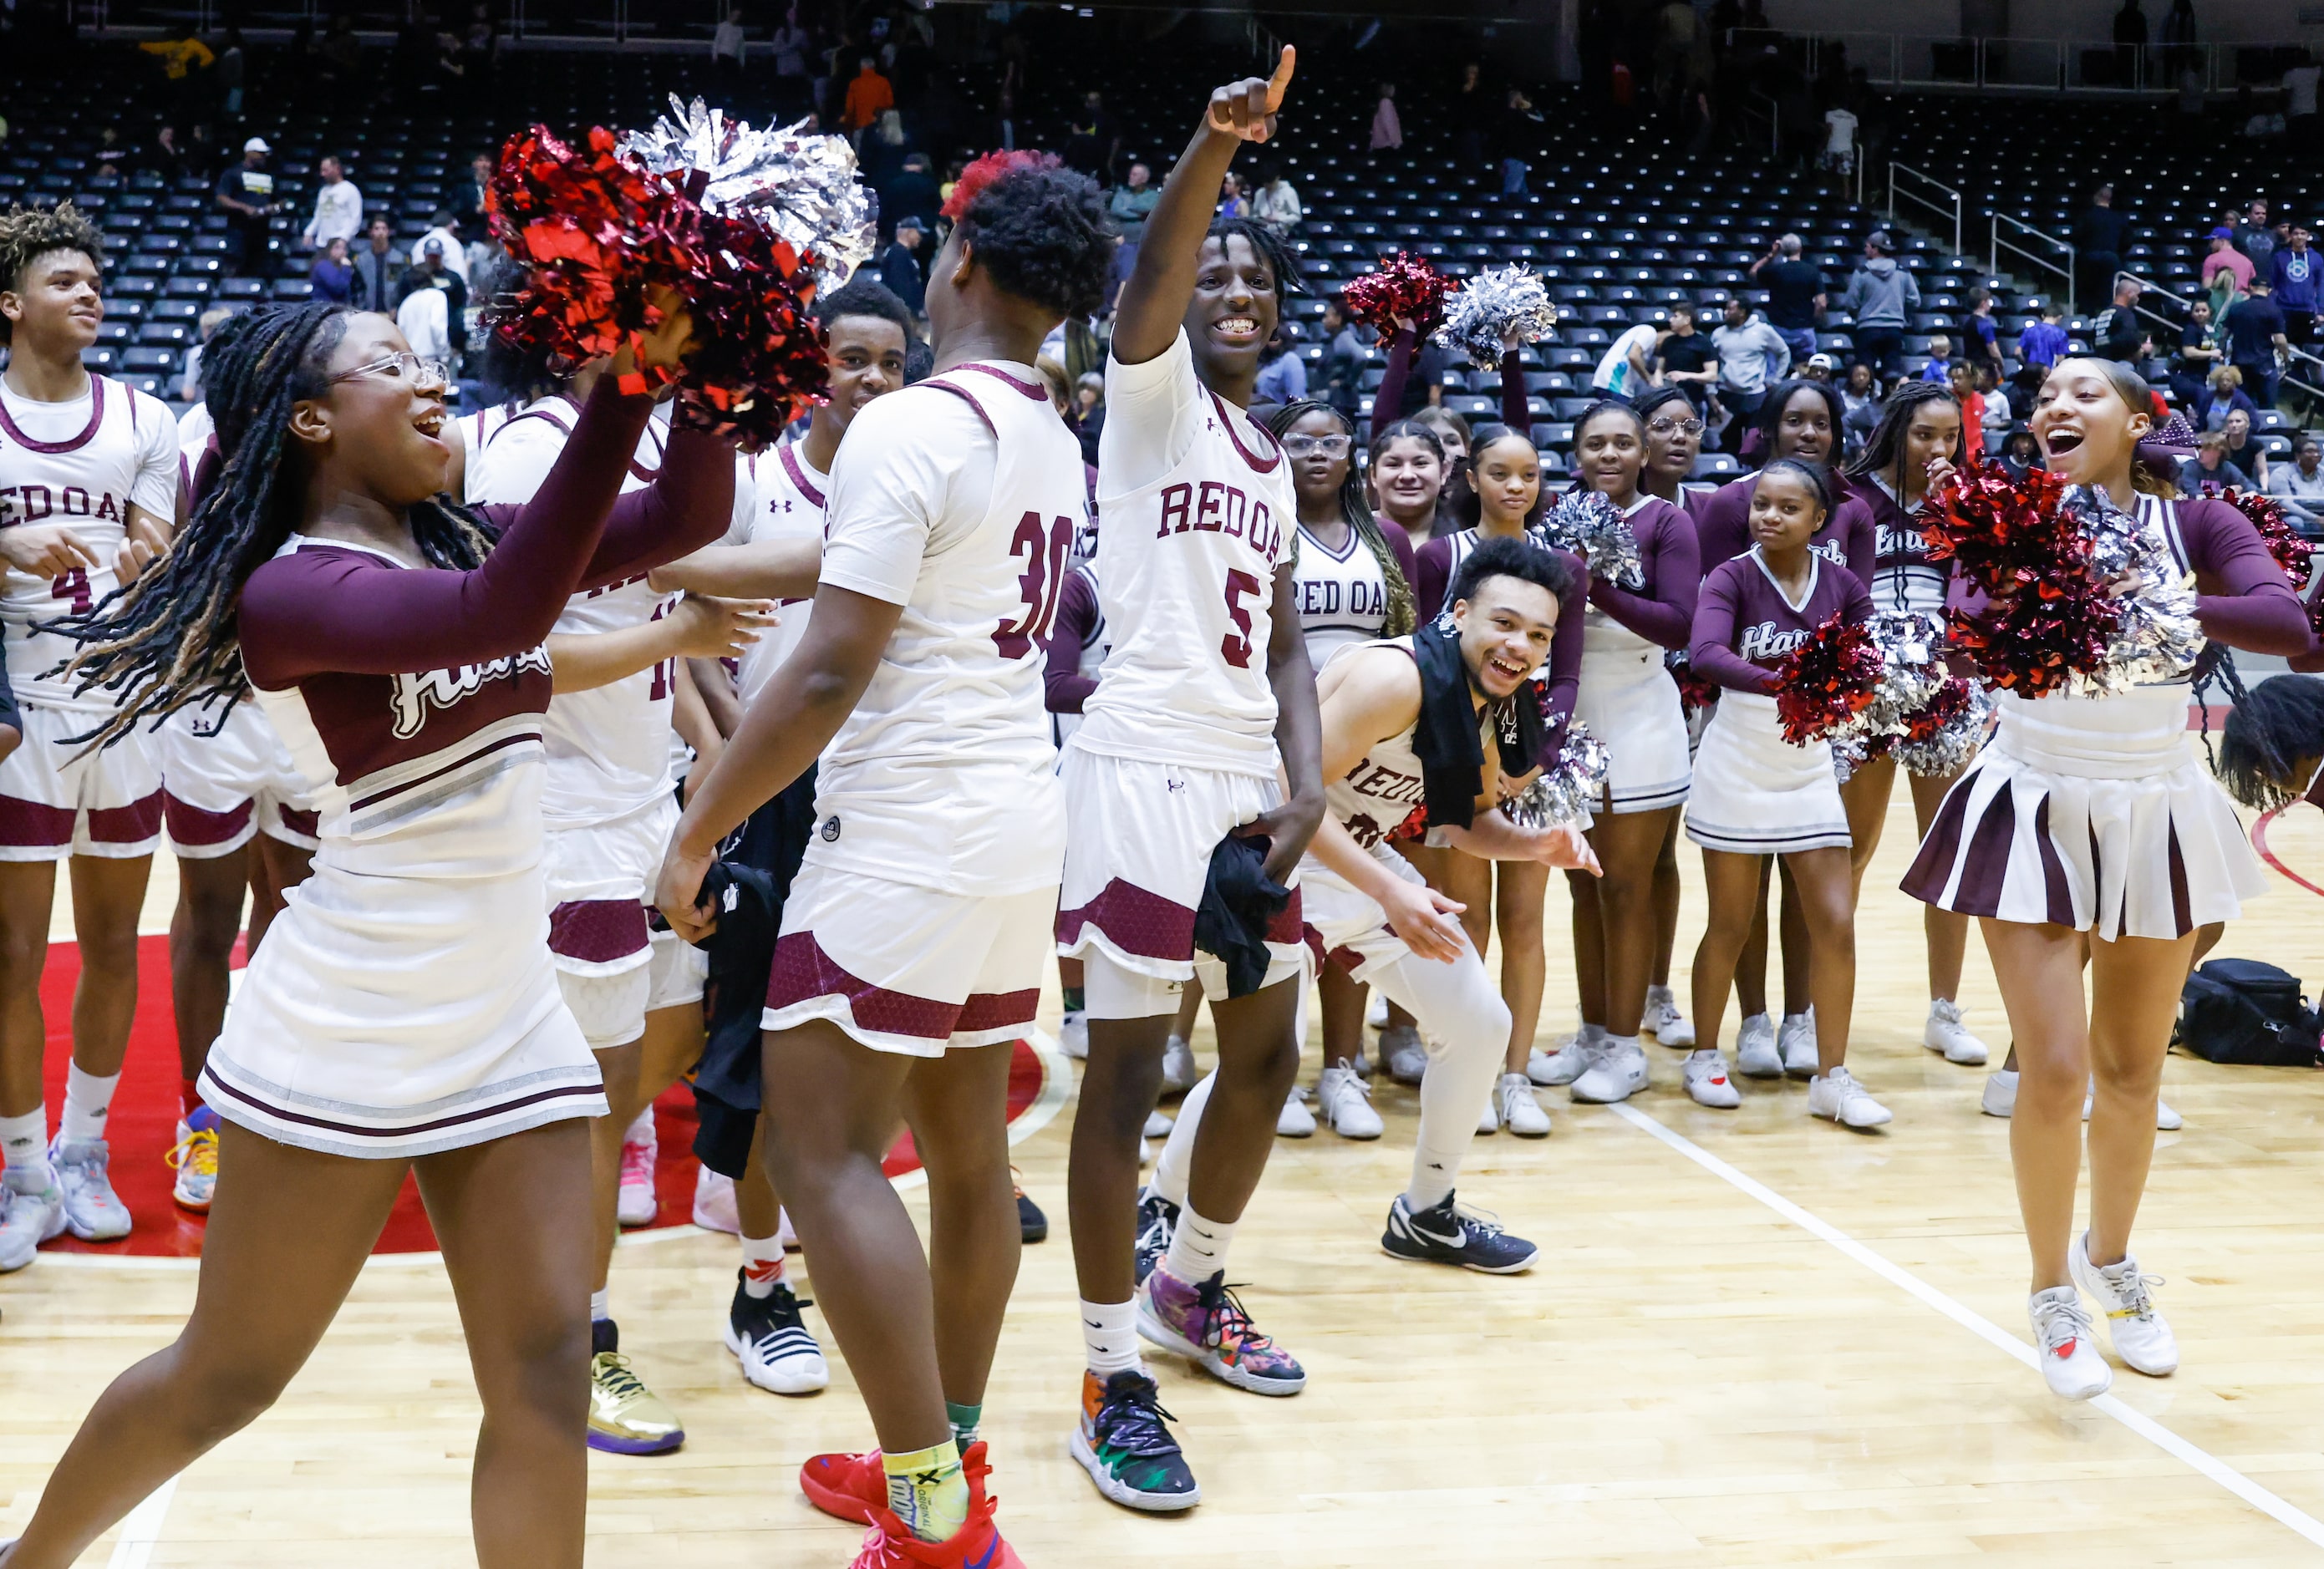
column 1109, row 1336
column 1176, row 1167
column 1466, row 1027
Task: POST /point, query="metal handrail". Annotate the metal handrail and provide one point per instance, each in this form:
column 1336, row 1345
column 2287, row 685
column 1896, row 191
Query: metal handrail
column 2293, row 353
column 2035, row 257
column 1775, row 126
column 1895, row 169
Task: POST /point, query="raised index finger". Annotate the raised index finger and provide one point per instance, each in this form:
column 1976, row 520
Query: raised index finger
column 1284, row 65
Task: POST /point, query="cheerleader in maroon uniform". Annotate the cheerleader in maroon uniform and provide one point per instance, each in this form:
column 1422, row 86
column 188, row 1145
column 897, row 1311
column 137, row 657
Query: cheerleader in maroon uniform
column 1410, row 466
column 2087, row 826
column 1758, row 794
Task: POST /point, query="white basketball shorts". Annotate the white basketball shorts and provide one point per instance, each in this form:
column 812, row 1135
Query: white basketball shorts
column 224, row 780
column 59, row 799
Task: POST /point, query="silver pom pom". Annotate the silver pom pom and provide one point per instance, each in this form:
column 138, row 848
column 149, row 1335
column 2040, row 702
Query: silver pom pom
column 1947, row 751
column 802, row 185
column 1593, row 528
column 1912, row 645
column 1480, row 315
column 1566, row 793
column 2157, row 637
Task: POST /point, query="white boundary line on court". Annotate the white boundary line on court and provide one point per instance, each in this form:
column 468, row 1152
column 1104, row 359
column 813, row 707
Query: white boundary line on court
column 133, row 1549
column 1977, row 1323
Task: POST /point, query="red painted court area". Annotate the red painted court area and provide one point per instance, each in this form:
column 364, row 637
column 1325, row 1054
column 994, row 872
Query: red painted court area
column 143, row 1125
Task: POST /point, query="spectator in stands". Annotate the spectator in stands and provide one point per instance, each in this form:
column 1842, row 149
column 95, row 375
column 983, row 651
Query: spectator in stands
column 1387, row 129
column 471, row 193
column 2227, row 272
column 2299, row 102
column 433, row 272
column 1860, row 408
column 899, row 267
column 341, row 51
column 2042, row 345
column 1627, row 368
column 1282, row 375
column 1752, row 357
column 1089, row 412
column 2208, row 471
column 1232, row 202
column 1880, row 298
column 791, row 45
column 2256, row 239
column 1979, row 337
column 913, row 189
column 2241, row 451
column 1344, row 355
column 1684, row 359
column 2293, row 271
column 2254, row 331
column 1093, row 142
column 227, row 76
column 246, row 192
column 2098, row 244
column 728, row 47
column 2300, row 484
column 332, row 275
column 1132, row 202
column 2198, row 355
column 2120, row 336
column 1472, row 116
column 184, row 59
column 338, row 207
column 425, row 319
column 1940, row 368
column 189, row 388
column 2021, row 453
column 443, row 226
column 1998, row 414
column 376, row 271
column 1518, row 116
column 1839, row 125
column 2129, row 43
column 2178, row 36
column 1276, row 204
column 1819, row 368
column 868, row 95
column 2222, row 394
column 1795, row 295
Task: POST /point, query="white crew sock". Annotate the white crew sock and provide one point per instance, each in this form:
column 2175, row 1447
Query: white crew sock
column 1109, row 1336
column 87, row 1099
column 641, row 1130
column 24, row 1143
column 762, row 1266
column 601, row 1304
column 1198, row 1247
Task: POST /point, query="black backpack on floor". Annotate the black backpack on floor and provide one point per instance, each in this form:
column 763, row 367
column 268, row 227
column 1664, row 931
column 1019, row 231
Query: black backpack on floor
column 2241, row 1011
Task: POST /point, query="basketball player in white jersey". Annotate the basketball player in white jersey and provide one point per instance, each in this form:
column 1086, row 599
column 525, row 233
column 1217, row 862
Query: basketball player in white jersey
column 917, row 933
column 1204, row 708
column 89, row 489
column 608, row 806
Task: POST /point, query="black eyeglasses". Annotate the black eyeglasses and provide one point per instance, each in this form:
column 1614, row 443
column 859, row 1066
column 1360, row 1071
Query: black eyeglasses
column 405, row 364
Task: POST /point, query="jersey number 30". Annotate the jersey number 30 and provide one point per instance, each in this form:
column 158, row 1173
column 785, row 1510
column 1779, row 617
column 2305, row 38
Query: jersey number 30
column 1039, row 585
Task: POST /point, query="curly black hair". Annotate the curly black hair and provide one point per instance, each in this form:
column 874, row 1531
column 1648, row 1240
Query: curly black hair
column 2277, row 726
column 1267, row 243
column 28, row 233
column 863, row 295
column 1044, row 236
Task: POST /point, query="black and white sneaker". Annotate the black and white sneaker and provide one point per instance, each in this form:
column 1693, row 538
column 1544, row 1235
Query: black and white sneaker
column 774, row 1346
column 1446, row 1234
column 1157, row 1217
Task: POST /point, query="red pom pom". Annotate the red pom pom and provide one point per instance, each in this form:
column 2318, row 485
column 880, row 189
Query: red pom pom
column 2283, row 542
column 1407, row 286
column 993, row 166
column 2045, row 621
column 1827, row 681
column 1694, row 690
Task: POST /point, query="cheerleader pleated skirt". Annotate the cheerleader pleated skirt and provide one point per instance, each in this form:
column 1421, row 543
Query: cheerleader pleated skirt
column 2093, row 813
column 1755, row 793
column 1630, row 702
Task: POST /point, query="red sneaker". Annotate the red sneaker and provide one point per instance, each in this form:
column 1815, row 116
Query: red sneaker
column 978, row 1545
column 850, row 1487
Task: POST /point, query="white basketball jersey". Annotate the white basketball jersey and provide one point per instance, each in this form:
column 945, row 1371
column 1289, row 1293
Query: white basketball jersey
column 1199, row 512
column 608, row 748
column 956, row 500
column 1342, row 595
column 79, row 463
column 477, row 430
column 788, row 497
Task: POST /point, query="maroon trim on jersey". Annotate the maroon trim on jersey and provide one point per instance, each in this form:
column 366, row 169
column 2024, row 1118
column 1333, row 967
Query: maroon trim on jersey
column 965, row 396
column 1030, row 388
column 132, row 824
column 95, row 419
column 193, row 827
column 1269, row 465
column 803, row 972
column 597, row 930
column 798, row 471
column 638, row 471
column 1145, row 924
column 391, row 792
column 306, row 824
column 384, row 1135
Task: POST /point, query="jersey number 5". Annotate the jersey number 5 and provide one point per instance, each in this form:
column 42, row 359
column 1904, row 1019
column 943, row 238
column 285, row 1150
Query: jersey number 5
column 1235, row 647
column 1039, row 585
column 73, row 585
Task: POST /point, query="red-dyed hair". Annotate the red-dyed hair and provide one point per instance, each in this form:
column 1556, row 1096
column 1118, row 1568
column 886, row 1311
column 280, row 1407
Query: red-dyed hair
column 993, row 166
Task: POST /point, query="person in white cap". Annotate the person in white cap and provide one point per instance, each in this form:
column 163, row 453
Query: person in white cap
column 246, row 192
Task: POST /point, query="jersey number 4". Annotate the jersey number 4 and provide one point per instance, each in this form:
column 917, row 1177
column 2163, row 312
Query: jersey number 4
column 74, row 586
column 1040, row 585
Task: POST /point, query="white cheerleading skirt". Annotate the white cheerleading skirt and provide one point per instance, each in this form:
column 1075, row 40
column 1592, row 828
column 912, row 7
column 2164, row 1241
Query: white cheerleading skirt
column 2093, row 813
column 1630, row 701
column 1755, row 793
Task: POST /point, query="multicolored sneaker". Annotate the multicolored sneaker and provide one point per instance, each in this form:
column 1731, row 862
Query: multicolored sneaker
column 195, row 1160
column 638, row 1204
column 1208, row 1324
column 1128, row 1452
column 1157, row 1217
column 847, row 1487
column 978, row 1545
column 625, row 1417
column 93, row 1210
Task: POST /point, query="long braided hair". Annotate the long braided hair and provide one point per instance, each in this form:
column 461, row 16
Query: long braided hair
column 1884, row 454
column 170, row 639
column 1358, row 511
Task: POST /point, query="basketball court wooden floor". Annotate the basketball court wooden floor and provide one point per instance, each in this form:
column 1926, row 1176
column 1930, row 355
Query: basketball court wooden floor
column 1751, row 1339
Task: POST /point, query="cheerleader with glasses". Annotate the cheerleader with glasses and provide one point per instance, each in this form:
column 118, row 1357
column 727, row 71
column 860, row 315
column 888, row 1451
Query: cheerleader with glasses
column 1912, row 450
column 2086, row 833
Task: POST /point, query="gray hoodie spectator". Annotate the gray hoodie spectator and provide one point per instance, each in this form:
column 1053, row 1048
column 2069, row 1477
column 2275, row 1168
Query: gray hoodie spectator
column 1752, row 356
column 1880, row 294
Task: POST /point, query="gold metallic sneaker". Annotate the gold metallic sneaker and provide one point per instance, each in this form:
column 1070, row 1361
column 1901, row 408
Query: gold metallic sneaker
column 625, row 1417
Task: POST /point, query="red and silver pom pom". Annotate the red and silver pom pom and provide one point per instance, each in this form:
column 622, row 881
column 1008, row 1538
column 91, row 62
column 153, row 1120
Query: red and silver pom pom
column 1482, row 315
column 1406, row 286
column 1938, row 741
column 1828, row 682
column 1566, row 793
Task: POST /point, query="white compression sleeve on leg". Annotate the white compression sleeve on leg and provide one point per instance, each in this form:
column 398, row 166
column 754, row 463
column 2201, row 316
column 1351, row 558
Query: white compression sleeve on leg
column 1466, row 1027
column 1176, row 1167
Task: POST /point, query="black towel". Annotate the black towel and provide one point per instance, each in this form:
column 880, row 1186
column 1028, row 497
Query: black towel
column 1446, row 738
column 1240, row 902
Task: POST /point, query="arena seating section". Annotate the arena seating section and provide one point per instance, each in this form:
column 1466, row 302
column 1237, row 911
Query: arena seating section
column 1622, row 222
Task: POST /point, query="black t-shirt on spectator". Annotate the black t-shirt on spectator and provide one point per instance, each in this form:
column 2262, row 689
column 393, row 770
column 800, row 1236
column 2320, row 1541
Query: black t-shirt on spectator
column 1792, row 289
column 2121, row 337
column 2100, row 229
column 1427, row 371
column 2192, row 337
column 1691, row 352
column 2252, row 323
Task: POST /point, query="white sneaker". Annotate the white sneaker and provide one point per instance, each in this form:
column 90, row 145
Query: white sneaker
column 1664, row 1022
column 1490, row 1121
column 2167, row 1119
column 1376, row 1010
column 2142, row 1336
column 1407, row 1055
column 1295, row 1121
column 2065, row 1346
column 1705, row 1073
column 1517, row 1110
column 2000, row 1096
column 1618, row 1073
column 639, row 1203
column 1158, row 1123
column 1837, row 1096
column 29, row 1217
column 1945, row 1032
column 93, row 1211
column 1570, row 1061
column 1797, row 1041
column 1756, row 1056
column 714, row 1202
column 1179, row 1073
column 1072, row 1035
column 1345, row 1101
